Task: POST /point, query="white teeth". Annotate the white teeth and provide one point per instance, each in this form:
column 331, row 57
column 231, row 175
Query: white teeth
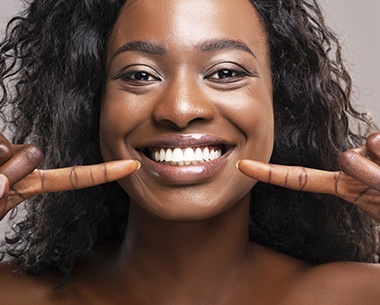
column 168, row 155
column 157, row 155
column 198, row 154
column 186, row 156
column 177, row 155
column 162, row 155
column 189, row 154
column 215, row 154
column 206, row 154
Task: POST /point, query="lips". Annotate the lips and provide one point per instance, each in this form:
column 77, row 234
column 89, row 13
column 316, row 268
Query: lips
column 184, row 158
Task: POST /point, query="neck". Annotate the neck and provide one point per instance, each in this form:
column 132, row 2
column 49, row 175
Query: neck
column 190, row 255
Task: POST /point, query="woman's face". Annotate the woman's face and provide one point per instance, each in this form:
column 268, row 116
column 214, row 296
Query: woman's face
column 188, row 93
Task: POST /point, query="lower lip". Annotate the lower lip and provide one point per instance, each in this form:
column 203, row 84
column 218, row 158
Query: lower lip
column 184, row 175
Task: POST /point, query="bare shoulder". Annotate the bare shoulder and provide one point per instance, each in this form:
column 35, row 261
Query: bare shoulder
column 339, row 283
column 18, row 288
column 50, row 288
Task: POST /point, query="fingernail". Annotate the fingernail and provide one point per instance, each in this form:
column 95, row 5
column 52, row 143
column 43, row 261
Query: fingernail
column 3, row 183
column 237, row 164
column 138, row 165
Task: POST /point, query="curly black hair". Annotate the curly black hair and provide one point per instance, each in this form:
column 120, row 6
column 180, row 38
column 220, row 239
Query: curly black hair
column 52, row 72
column 314, row 122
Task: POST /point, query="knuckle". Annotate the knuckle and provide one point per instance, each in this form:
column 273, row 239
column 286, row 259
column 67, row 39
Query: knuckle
column 23, row 162
column 373, row 141
column 33, row 154
column 347, row 158
column 5, row 152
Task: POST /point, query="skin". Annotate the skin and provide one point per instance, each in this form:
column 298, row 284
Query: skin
column 357, row 182
column 184, row 96
column 187, row 239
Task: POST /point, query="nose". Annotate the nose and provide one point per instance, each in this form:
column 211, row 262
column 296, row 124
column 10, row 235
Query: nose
column 183, row 103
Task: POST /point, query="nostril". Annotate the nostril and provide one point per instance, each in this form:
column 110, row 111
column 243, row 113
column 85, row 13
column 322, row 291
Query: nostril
column 174, row 124
column 178, row 124
column 182, row 105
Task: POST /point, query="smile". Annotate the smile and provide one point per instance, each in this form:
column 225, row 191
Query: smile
column 184, row 159
column 185, row 156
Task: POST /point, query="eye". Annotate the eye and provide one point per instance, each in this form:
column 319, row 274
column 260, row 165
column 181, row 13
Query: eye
column 137, row 76
column 227, row 74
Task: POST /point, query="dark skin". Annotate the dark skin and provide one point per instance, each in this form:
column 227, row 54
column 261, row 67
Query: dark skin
column 187, row 238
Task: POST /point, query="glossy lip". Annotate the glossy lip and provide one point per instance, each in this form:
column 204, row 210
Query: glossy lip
column 183, row 141
column 186, row 174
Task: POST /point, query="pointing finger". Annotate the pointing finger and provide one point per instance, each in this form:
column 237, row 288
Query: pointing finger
column 318, row 181
column 292, row 177
column 70, row 178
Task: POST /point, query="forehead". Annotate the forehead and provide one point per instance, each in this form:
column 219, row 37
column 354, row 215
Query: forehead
column 183, row 23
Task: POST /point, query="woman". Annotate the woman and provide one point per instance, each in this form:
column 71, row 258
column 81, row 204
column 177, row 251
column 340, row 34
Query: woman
column 188, row 89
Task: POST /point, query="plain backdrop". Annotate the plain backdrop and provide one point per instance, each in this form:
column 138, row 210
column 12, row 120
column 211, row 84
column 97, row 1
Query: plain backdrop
column 358, row 26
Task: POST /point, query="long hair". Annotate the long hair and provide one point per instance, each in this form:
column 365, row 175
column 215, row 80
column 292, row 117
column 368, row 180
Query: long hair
column 52, row 72
column 313, row 118
column 51, row 79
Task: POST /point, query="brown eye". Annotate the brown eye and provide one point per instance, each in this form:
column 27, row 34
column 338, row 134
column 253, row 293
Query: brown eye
column 141, row 76
column 225, row 73
column 137, row 76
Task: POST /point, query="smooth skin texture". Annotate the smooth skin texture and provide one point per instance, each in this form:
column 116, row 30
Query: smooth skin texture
column 169, row 84
column 20, row 180
column 185, row 93
column 358, row 182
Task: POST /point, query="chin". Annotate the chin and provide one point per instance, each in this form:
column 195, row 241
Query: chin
column 191, row 203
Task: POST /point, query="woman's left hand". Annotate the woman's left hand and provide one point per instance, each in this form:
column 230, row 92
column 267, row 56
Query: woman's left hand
column 358, row 181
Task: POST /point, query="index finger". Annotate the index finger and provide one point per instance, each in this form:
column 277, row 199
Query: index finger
column 71, row 178
column 292, row 177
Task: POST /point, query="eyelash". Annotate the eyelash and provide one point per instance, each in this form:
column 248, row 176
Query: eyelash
column 128, row 76
column 224, row 75
column 237, row 74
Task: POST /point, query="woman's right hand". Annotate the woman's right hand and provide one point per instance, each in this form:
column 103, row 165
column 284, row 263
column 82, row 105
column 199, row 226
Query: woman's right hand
column 20, row 180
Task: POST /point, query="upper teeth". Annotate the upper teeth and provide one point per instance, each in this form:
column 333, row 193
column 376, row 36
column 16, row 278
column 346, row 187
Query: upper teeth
column 185, row 156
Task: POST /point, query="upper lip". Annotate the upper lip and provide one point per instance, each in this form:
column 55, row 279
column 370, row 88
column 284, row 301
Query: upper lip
column 183, row 141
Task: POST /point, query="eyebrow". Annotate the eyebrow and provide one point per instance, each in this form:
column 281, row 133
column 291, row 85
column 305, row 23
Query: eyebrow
column 211, row 45
column 141, row 47
column 224, row 44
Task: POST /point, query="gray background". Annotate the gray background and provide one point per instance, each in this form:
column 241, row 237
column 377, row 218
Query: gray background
column 358, row 25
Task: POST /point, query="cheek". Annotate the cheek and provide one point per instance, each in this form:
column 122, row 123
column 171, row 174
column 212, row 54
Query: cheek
column 115, row 124
column 110, row 133
column 252, row 113
column 260, row 138
column 258, row 120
